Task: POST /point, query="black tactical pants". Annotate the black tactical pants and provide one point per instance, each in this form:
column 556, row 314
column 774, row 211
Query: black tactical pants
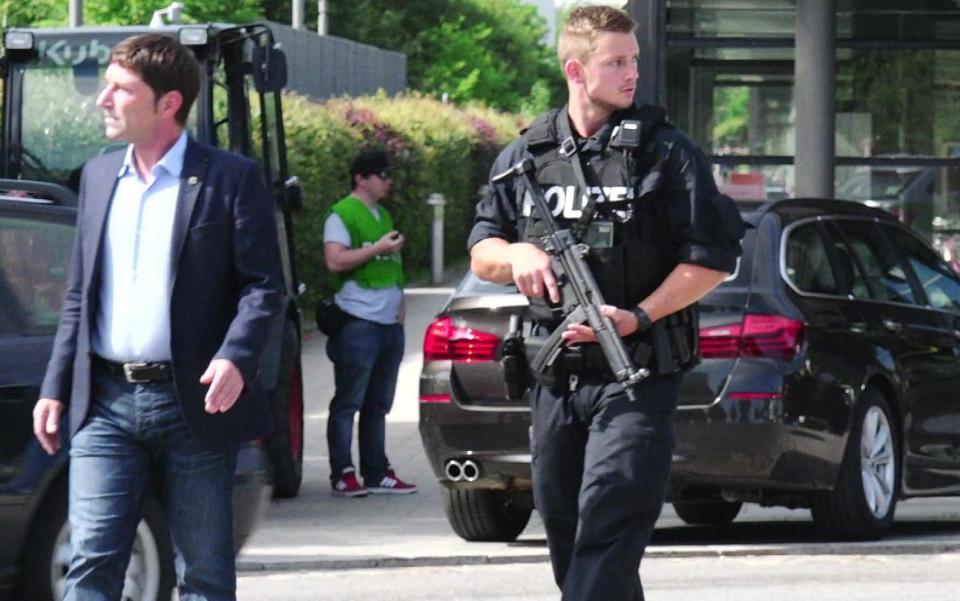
column 600, row 467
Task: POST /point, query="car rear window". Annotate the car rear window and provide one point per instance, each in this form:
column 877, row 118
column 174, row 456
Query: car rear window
column 808, row 262
column 34, row 255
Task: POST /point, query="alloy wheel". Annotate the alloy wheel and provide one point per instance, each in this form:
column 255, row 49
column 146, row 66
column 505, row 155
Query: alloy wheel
column 877, row 465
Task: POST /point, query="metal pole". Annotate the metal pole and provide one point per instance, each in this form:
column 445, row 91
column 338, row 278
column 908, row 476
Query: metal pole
column 175, row 12
column 322, row 17
column 297, row 20
column 76, row 13
column 436, row 262
column 814, row 97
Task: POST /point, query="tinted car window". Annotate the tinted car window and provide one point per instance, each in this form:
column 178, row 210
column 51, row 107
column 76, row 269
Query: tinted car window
column 33, row 262
column 884, row 273
column 940, row 285
column 808, row 263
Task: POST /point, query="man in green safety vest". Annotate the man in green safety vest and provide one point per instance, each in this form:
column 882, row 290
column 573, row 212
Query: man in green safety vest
column 362, row 253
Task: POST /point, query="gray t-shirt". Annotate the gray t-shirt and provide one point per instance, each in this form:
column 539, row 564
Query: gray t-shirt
column 381, row 305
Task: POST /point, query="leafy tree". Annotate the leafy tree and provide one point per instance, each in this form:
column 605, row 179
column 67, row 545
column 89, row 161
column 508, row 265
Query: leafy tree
column 17, row 13
column 139, row 12
column 463, row 66
column 485, row 50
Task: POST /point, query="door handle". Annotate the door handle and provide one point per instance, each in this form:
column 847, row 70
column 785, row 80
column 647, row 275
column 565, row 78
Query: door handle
column 893, row 326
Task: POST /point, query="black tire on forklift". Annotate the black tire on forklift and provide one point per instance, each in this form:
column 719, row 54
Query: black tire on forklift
column 285, row 446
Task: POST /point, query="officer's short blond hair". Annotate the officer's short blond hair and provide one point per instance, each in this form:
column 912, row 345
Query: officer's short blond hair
column 578, row 38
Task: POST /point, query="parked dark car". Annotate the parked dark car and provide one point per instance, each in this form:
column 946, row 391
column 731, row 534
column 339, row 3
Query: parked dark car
column 828, row 380
column 36, row 235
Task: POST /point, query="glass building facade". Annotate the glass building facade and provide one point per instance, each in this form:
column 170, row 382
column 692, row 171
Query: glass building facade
column 725, row 71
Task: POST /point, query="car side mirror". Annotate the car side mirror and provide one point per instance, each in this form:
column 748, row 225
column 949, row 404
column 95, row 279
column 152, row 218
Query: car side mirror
column 293, row 193
column 269, row 69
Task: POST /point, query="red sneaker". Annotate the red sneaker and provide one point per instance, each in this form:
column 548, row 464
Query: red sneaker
column 391, row 485
column 347, row 485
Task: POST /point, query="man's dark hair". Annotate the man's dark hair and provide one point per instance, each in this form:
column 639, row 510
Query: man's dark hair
column 162, row 63
column 369, row 162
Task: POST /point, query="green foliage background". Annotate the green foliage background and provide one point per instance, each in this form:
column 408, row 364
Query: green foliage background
column 436, row 147
column 489, row 51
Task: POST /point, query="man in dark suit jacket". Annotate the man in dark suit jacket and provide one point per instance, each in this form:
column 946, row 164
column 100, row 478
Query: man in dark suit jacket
column 175, row 286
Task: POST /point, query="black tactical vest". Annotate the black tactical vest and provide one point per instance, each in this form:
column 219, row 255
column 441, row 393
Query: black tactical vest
column 631, row 251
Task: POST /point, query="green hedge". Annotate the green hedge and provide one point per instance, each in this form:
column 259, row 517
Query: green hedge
column 436, row 147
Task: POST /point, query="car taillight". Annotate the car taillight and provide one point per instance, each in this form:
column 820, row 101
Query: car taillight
column 756, row 336
column 446, row 341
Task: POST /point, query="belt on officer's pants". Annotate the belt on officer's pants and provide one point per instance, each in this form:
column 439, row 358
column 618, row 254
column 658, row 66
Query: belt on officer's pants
column 136, row 372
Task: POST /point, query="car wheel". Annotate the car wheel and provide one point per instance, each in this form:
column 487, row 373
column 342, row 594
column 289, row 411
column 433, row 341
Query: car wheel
column 150, row 575
column 285, row 445
column 862, row 503
column 484, row 515
column 707, row 513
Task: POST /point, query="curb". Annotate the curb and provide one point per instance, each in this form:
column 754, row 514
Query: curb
column 306, row 564
column 869, row 548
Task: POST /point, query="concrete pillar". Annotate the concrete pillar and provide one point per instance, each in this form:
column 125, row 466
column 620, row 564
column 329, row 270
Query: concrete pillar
column 814, row 97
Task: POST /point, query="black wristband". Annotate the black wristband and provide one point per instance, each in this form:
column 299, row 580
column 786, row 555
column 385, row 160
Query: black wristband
column 643, row 320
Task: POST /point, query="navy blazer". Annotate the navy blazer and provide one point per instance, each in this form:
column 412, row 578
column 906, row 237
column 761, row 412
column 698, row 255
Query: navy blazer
column 227, row 291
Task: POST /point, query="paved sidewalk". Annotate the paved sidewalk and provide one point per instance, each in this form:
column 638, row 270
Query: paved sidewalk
column 319, row 531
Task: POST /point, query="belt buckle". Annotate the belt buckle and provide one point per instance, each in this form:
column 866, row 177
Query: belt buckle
column 130, row 372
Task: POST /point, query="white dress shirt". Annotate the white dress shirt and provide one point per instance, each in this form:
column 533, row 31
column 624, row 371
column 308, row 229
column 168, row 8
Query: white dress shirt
column 133, row 322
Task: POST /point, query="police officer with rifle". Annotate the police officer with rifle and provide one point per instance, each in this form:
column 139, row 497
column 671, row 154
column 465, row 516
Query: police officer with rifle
column 607, row 218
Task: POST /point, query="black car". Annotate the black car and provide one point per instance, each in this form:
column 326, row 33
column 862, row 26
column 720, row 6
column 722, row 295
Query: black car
column 830, row 364
column 36, row 236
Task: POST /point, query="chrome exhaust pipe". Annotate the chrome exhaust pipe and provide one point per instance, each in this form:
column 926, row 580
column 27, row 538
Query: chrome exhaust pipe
column 470, row 470
column 453, row 470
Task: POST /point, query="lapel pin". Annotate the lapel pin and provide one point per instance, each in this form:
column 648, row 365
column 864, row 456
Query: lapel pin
column 192, row 180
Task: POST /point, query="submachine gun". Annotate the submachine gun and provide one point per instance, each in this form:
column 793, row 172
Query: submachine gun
column 580, row 297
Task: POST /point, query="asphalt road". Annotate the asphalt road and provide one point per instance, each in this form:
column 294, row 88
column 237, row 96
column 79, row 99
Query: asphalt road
column 751, row 578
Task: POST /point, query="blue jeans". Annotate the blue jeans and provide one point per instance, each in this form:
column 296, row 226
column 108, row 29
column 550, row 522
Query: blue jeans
column 135, row 436
column 366, row 358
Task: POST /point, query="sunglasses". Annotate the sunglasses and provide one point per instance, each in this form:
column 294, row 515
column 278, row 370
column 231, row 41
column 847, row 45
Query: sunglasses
column 383, row 174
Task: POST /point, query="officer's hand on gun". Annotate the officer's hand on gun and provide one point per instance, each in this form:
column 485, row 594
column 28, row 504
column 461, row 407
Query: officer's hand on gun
column 532, row 275
column 625, row 322
column 532, row 272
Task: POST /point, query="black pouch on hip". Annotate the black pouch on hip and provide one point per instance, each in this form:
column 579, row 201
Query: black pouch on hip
column 330, row 317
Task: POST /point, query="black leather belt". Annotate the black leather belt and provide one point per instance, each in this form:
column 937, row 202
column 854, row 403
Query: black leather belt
column 136, row 372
